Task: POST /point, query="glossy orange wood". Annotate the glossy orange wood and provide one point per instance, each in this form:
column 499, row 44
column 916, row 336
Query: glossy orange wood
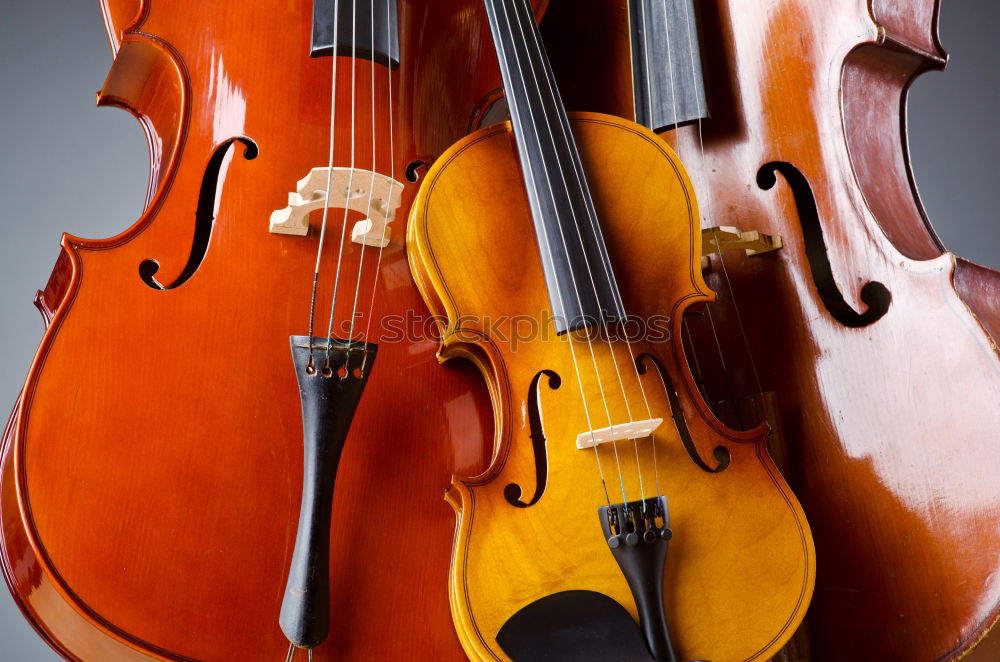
column 740, row 568
column 891, row 427
column 151, row 481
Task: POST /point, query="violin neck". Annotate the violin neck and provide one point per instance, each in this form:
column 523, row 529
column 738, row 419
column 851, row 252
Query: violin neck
column 578, row 274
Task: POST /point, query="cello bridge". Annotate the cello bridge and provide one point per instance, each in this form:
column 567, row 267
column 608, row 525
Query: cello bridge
column 370, row 193
column 728, row 238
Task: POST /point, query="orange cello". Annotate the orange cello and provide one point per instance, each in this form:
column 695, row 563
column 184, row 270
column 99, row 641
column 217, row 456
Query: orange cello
column 152, row 472
column 619, row 519
column 880, row 347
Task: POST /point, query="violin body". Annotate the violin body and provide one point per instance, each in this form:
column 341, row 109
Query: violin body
column 887, row 401
column 152, row 470
column 740, row 565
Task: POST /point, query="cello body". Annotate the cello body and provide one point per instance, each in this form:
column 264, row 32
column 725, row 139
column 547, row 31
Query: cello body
column 152, row 470
column 887, row 396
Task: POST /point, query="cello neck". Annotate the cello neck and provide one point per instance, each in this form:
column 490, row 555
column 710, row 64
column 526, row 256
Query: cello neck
column 578, row 273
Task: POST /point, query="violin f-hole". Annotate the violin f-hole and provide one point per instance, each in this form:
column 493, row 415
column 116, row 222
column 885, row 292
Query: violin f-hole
column 720, row 452
column 874, row 295
column 513, row 492
column 204, row 220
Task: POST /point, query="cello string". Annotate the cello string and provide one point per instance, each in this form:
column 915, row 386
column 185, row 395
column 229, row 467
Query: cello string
column 514, row 102
column 350, row 183
column 392, row 174
column 645, row 54
column 591, row 213
column 673, row 99
column 329, row 183
column 722, row 259
column 371, row 187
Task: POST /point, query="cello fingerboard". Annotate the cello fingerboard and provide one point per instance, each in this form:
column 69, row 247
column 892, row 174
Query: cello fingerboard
column 366, row 29
column 667, row 78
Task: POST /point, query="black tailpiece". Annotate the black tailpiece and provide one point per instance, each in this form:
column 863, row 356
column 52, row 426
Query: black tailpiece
column 585, row 626
column 638, row 533
column 330, row 386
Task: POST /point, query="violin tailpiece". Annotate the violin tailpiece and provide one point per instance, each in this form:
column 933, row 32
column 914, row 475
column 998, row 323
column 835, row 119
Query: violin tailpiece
column 638, row 533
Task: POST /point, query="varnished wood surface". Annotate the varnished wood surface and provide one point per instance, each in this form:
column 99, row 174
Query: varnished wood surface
column 891, row 426
column 740, row 565
column 151, row 484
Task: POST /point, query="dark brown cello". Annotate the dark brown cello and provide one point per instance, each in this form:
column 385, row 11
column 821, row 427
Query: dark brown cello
column 879, row 347
column 152, row 474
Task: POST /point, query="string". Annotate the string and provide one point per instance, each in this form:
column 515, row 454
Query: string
column 350, row 182
column 526, row 16
column 292, row 648
column 329, row 183
column 647, row 74
column 371, row 189
column 708, row 199
column 392, row 173
column 580, row 177
column 708, row 203
column 533, row 193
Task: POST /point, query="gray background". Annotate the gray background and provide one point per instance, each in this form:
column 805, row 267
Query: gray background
column 66, row 166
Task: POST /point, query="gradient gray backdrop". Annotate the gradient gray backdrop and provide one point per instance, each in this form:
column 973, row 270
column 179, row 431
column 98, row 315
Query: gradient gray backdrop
column 67, row 166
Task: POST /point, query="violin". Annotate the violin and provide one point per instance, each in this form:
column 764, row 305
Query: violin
column 619, row 518
column 175, row 481
column 861, row 339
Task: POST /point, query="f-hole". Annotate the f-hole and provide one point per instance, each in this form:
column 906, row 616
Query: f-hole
column 721, row 453
column 204, row 219
column 874, row 295
column 513, row 492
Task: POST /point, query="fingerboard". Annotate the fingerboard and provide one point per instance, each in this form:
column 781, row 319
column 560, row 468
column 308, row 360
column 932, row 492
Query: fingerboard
column 667, row 78
column 578, row 275
column 366, row 29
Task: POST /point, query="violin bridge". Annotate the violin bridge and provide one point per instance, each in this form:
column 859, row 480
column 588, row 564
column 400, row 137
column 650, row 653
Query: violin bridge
column 728, row 238
column 364, row 191
column 633, row 430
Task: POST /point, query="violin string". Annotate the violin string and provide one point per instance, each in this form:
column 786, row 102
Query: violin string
column 708, row 204
column 528, row 20
column 526, row 24
column 371, row 186
column 329, row 183
column 392, row 173
column 591, row 213
column 514, row 102
column 350, row 182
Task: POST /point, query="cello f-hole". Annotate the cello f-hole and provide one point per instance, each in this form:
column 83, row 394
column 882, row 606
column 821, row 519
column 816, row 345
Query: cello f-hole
column 874, row 295
column 204, row 216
